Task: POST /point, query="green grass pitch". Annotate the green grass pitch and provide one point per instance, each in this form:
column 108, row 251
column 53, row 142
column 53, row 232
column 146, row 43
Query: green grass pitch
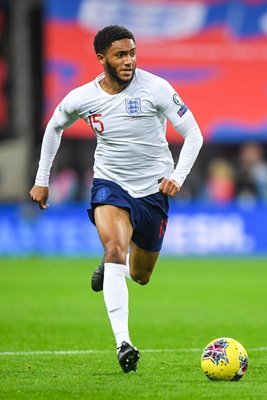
column 56, row 340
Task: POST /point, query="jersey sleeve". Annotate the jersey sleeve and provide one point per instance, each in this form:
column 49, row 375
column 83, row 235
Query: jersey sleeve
column 182, row 119
column 64, row 116
column 193, row 141
column 66, row 113
column 171, row 104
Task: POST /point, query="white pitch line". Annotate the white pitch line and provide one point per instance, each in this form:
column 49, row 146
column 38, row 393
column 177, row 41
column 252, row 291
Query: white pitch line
column 95, row 351
column 82, row 352
column 258, row 349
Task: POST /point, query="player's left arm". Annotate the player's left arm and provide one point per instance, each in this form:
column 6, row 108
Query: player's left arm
column 169, row 187
column 185, row 124
column 193, row 141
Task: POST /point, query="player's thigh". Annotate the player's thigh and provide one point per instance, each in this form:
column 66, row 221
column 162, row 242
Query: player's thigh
column 114, row 226
column 142, row 263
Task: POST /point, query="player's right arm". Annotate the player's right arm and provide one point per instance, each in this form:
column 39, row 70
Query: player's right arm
column 63, row 117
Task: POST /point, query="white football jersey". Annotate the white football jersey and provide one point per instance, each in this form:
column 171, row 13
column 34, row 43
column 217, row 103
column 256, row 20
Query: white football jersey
column 130, row 128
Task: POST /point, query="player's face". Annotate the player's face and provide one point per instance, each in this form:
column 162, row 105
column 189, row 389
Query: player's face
column 119, row 61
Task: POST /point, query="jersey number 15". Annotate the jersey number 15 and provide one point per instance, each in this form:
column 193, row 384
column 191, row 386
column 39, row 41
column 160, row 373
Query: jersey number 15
column 95, row 123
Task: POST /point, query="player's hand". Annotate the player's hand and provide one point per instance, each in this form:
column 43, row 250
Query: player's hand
column 169, row 187
column 39, row 194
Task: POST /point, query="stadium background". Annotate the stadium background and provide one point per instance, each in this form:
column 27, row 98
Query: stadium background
column 215, row 55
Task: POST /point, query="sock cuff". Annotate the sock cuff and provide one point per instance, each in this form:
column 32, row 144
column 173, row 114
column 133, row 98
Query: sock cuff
column 118, row 269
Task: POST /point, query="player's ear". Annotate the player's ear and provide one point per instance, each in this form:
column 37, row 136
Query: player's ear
column 101, row 58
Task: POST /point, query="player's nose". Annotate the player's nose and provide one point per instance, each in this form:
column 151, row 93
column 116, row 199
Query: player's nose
column 128, row 60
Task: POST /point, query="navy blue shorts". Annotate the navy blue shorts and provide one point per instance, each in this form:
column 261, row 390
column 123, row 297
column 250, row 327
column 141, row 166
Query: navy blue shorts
column 149, row 214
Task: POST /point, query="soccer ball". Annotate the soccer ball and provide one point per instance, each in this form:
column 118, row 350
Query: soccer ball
column 224, row 359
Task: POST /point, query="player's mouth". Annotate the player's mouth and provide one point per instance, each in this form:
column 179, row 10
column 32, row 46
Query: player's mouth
column 127, row 72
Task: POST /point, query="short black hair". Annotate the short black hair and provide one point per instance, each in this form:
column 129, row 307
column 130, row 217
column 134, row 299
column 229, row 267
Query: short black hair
column 110, row 34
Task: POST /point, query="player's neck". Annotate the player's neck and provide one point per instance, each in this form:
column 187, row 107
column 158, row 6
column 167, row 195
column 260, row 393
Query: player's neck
column 111, row 86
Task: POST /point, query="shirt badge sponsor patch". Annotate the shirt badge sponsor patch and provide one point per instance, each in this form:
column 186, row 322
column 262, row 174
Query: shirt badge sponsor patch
column 182, row 110
column 133, row 105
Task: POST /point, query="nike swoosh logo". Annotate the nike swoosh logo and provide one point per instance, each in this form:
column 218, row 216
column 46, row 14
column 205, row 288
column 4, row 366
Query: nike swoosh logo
column 93, row 112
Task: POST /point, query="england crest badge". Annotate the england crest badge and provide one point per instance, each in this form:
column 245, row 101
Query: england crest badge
column 133, row 105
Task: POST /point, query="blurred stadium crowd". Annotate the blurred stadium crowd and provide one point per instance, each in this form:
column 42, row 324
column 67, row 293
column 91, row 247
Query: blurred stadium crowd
column 225, row 171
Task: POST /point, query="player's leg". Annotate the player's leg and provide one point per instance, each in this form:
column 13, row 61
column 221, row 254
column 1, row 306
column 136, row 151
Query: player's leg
column 115, row 230
column 141, row 263
column 148, row 237
column 145, row 248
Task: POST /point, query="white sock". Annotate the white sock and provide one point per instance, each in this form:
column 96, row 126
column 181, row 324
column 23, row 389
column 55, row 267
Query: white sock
column 127, row 268
column 116, row 299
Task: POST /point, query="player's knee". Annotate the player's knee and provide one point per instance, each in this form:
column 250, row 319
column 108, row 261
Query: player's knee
column 141, row 279
column 115, row 254
column 144, row 281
